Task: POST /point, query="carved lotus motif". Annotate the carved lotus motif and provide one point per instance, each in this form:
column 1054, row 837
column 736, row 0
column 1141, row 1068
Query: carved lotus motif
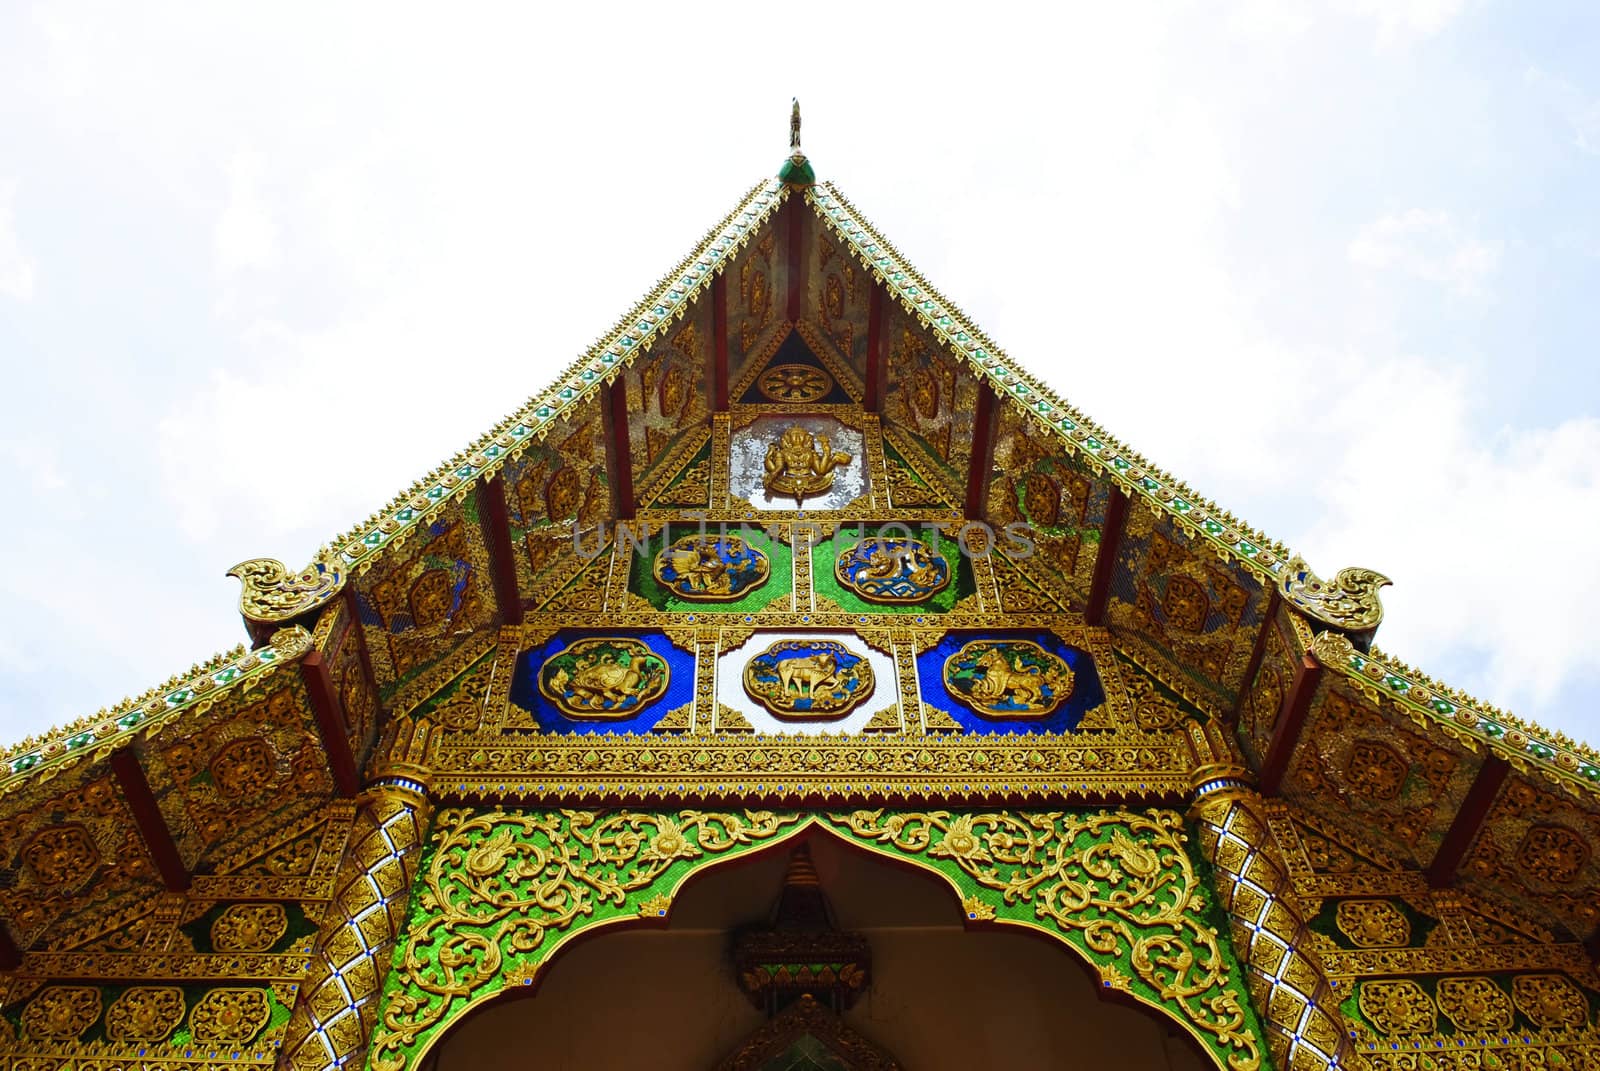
column 1553, row 854
column 229, row 1015
column 249, row 928
column 61, row 1012
column 62, row 855
column 145, row 1013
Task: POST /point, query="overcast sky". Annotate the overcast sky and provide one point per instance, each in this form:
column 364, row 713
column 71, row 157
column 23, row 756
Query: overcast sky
column 1334, row 265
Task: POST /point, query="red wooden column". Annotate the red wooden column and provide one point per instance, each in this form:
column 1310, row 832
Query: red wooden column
column 1105, row 558
column 1468, row 820
column 982, row 457
column 1291, row 719
column 719, row 336
column 147, row 817
column 10, row 954
column 873, row 402
column 496, row 522
column 619, row 460
column 330, row 724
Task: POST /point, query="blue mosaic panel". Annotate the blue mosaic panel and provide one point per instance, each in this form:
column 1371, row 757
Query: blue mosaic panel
column 551, row 719
column 1086, row 694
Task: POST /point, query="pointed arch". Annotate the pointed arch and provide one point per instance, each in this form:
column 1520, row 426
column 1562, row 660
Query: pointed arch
column 500, row 892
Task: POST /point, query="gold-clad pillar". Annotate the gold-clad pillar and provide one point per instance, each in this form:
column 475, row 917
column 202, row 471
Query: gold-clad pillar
column 1299, row 1006
column 337, row 1007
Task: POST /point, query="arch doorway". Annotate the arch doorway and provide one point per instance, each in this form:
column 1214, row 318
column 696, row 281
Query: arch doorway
column 940, row 996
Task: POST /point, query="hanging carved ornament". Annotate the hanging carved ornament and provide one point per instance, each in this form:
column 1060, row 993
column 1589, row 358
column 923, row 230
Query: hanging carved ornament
column 61, row 1012
column 272, row 594
column 1398, row 1007
column 1550, row 1000
column 604, row 677
column 145, row 1013
column 229, row 1015
column 892, row 570
column 710, row 567
column 1475, row 1003
column 808, row 679
column 794, row 383
column 1372, row 923
column 801, row 464
column 1553, row 854
column 1008, row 678
column 1350, row 603
column 249, row 928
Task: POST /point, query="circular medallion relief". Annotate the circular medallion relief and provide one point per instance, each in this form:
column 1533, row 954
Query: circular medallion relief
column 794, row 383
column 603, row 677
column 892, row 570
column 710, row 567
column 812, row 679
column 1008, row 678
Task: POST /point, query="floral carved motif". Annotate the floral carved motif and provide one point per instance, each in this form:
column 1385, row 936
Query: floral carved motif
column 500, row 890
column 1119, row 886
column 1475, row 1003
column 1399, row 1007
column 249, row 928
column 1552, row 853
column 145, row 1013
column 1372, row 923
column 1550, row 1000
column 1376, row 770
column 229, row 1015
column 61, row 1012
column 62, row 855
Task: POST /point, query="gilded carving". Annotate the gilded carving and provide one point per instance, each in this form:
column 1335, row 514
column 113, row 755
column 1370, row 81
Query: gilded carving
column 808, row 679
column 271, row 594
column 794, row 383
column 504, row 888
column 229, row 1016
column 1550, row 1000
column 145, row 1013
column 1398, row 1008
column 1350, row 603
column 62, row 855
column 1372, row 923
column 1118, row 885
column 1552, row 853
column 891, row 570
column 603, row 677
column 249, row 928
column 1474, row 1003
column 1008, row 678
column 710, row 567
column 801, row 464
column 1375, row 770
column 244, row 767
column 61, row 1012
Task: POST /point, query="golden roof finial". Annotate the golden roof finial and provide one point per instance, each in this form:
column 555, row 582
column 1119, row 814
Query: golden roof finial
column 796, row 170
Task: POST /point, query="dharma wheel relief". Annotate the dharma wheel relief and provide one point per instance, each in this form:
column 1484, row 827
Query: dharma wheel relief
column 795, row 565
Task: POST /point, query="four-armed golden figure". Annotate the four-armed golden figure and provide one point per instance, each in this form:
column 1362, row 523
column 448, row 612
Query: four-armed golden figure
column 801, row 464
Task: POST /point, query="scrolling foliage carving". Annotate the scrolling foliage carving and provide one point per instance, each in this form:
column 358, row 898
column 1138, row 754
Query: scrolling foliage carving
column 500, row 891
column 1120, row 887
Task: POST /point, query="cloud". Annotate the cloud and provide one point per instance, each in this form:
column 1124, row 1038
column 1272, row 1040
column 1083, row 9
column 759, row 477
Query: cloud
column 1401, row 20
column 1579, row 110
column 16, row 270
column 1427, row 245
column 246, row 235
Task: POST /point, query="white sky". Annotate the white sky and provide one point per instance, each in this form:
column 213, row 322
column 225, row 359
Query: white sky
column 1334, row 265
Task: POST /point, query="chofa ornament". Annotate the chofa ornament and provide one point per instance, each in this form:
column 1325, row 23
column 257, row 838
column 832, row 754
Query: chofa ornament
column 710, row 567
column 892, row 570
column 272, row 594
column 801, row 464
column 1008, row 678
column 808, row 679
column 1350, row 603
column 603, row 677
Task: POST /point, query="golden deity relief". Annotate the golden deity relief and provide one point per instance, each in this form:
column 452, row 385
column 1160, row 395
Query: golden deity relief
column 801, row 464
